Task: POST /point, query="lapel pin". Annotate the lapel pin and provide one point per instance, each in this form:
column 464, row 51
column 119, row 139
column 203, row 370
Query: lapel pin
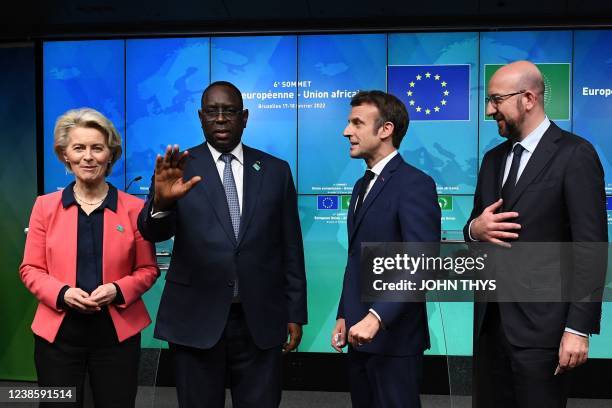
column 120, row 228
column 257, row 165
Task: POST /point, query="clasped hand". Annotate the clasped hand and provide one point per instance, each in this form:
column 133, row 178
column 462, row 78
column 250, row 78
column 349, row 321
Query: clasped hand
column 80, row 300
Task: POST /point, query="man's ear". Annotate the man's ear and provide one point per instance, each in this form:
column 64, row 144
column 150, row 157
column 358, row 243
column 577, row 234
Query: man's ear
column 386, row 130
column 531, row 100
column 245, row 117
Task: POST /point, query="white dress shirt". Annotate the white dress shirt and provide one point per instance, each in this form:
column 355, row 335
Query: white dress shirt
column 377, row 169
column 529, row 143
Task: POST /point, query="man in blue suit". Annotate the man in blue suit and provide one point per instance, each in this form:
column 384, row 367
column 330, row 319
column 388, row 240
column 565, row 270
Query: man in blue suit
column 236, row 285
column 392, row 202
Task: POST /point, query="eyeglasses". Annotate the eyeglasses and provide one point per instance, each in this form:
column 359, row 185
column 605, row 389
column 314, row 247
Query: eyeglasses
column 211, row 114
column 495, row 100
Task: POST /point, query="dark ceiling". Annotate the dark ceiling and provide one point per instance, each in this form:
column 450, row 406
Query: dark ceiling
column 27, row 19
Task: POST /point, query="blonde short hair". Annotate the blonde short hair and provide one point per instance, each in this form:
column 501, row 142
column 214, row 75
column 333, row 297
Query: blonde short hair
column 86, row 118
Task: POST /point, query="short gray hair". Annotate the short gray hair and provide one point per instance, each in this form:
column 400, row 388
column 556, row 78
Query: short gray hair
column 86, row 118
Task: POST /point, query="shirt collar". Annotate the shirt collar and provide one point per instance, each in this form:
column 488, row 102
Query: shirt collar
column 378, row 167
column 530, row 142
column 109, row 202
column 238, row 152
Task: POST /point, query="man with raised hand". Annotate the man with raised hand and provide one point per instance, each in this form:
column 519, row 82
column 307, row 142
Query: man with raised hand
column 236, row 286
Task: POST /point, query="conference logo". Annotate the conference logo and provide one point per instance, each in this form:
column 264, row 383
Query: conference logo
column 432, row 92
column 327, row 202
column 346, row 202
column 333, row 202
column 557, row 77
column 445, row 202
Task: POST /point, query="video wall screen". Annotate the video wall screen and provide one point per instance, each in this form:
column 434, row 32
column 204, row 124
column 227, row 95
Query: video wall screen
column 297, row 89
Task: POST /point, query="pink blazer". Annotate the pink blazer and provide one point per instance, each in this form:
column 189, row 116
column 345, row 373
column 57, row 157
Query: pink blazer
column 49, row 262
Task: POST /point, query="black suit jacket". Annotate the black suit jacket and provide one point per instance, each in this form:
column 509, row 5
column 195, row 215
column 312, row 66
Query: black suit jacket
column 560, row 197
column 267, row 257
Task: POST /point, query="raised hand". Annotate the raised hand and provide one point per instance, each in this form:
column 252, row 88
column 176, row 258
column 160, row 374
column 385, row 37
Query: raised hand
column 169, row 183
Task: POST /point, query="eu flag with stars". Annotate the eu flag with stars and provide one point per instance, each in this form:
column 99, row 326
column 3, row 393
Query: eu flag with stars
column 432, row 92
column 609, row 203
column 327, row 202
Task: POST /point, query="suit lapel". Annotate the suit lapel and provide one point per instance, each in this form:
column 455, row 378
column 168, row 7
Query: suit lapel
column 204, row 165
column 500, row 167
column 381, row 181
column 253, row 172
column 351, row 211
column 542, row 154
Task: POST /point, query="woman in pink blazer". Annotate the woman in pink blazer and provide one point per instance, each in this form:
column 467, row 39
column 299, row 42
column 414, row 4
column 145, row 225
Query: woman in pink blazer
column 88, row 266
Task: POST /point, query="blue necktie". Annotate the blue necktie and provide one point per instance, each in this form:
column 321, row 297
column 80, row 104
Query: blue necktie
column 231, row 193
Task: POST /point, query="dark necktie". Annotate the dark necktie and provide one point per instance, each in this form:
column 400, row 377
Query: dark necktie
column 510, row 183
column 229, row 185
column 231, row 193
column 365, row 182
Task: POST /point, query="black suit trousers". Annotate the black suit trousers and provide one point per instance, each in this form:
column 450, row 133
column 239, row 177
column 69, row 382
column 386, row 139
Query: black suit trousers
column 87, row 344
column 253, row 374
column 507, row 376
column 380, row 381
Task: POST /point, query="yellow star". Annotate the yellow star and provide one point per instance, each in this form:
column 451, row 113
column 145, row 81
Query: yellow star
column 437, row 77
column 427, row 111
column 437, row 109
column 418, row 77
column 446, row 93
column 411, row 103
column 411, row 84
column 427, row 75
column 409, row 93
column 443, row 101
column 443, row 83
column 418, row 108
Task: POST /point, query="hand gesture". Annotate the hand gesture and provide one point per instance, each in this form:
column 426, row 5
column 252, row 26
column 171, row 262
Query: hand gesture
column 104, row 294
column 491, row 227
column 338, row 338
column 169, row 184
column 78, row 299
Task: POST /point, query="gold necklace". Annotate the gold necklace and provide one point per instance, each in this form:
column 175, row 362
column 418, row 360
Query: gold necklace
column 85, row 202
